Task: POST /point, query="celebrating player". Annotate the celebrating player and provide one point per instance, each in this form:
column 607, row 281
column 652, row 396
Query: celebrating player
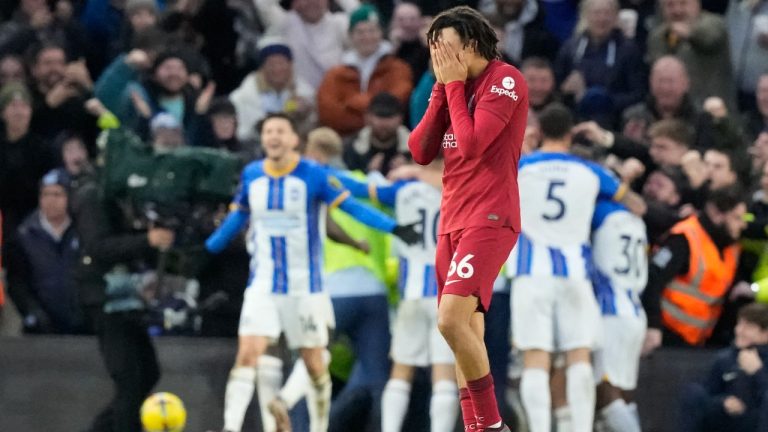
column 284, row 195
column 620, row 256
column 476, row 115
column 552, row 297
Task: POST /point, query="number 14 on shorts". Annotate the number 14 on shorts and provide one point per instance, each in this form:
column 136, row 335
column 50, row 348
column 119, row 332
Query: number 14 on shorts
column 462, row 269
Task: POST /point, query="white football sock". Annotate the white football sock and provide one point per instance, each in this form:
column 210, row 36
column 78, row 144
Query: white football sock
column 319, row 402
column 618, row 417
column 298, row 382
column 296, row 385
column 563, row 419
column 269, row 378
column 444, row 406
column 580, row 392
column 534, row 391
column 237, row 397
column 632, row 407
column 394, row 405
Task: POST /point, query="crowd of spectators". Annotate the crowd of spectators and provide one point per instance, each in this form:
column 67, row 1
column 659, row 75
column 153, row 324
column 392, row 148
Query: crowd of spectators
column 671, row 95
column 676, row 96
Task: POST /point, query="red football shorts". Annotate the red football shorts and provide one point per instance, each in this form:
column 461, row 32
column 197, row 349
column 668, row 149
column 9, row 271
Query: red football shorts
column 468, row 261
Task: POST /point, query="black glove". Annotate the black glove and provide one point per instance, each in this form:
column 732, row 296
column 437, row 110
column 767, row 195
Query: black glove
column 407, row 234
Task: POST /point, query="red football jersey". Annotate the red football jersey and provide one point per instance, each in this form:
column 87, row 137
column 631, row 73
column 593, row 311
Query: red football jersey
column 479, row 126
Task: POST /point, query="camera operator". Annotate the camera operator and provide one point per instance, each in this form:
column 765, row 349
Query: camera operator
column 110, row 251
column 113, row 256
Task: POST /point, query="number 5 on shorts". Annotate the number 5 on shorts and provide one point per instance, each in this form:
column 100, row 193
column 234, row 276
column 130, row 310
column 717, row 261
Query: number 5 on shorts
column 464, row 269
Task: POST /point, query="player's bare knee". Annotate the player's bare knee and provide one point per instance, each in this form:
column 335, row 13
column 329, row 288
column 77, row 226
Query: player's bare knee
column 537, row 359
column 402, row 372
column 455, row 318
column 249, row 350
column 443, row 372
column 315, row 361
column 247, row 357
column 578, row 355
column 451, row 328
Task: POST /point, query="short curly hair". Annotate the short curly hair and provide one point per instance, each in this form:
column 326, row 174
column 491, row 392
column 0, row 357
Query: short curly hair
column 472, row 27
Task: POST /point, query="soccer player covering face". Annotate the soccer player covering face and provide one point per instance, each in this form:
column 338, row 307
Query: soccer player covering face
column 476, row 117
column 282, row 197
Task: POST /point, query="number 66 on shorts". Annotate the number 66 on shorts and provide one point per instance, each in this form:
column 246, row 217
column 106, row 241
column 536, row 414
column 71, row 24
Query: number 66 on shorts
column 464, row 269
column 468, row 261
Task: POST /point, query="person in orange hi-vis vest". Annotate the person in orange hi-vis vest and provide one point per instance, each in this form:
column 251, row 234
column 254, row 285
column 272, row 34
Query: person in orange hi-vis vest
column 692, row 271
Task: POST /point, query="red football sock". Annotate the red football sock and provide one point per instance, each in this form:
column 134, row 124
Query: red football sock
column 467, row 410
column 484, row 401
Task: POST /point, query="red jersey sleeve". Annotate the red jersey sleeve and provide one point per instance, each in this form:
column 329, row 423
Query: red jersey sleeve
column 425, row 140
column 504, row 92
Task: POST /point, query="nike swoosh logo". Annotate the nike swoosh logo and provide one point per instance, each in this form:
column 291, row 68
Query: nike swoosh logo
column 453, row 281
column 730, row 376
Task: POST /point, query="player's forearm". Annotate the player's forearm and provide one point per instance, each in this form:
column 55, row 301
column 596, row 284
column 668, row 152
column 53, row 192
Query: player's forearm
column 425, row 140
column 368, row 215
column 227, row 231
column 634, row 202
column 473, row 135
column 337, row 233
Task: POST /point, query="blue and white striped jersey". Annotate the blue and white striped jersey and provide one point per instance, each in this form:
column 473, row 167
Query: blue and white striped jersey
column 286, row 213
column 620, row 257
column 418, row 202
column 558, row 194
column 414, row 202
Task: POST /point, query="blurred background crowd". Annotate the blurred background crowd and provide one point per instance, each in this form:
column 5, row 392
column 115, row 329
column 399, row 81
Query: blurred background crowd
column 124, row 125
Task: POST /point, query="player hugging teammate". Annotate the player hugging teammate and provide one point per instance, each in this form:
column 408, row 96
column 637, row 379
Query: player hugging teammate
column 553, row 305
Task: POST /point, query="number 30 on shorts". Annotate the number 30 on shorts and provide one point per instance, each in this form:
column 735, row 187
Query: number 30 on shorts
column 463, row 269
